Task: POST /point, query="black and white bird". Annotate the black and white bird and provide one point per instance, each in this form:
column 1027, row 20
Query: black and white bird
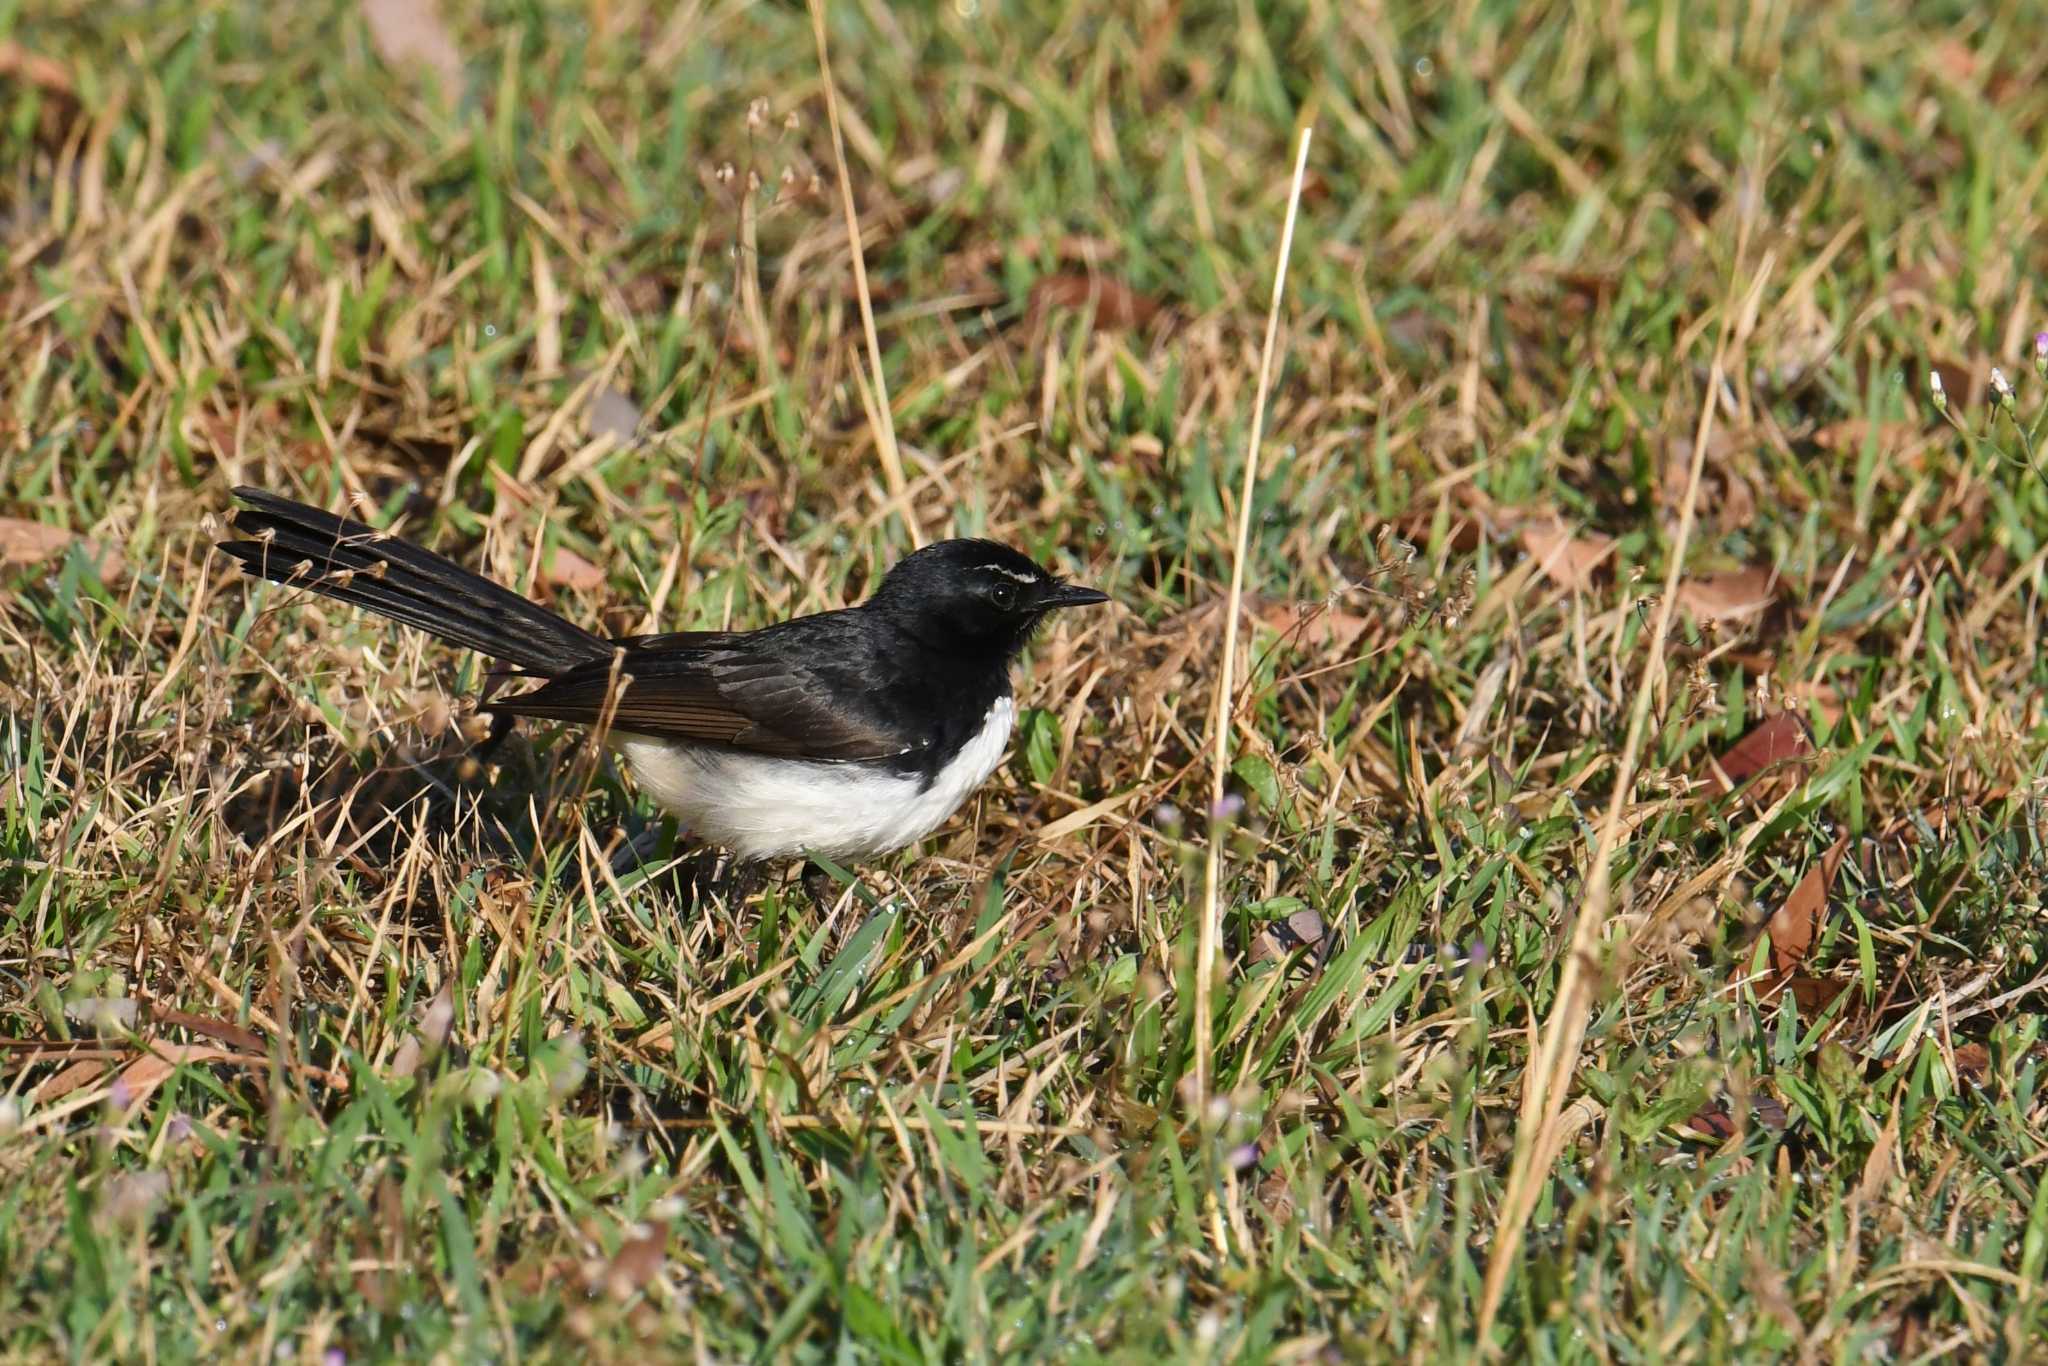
column 845, row 734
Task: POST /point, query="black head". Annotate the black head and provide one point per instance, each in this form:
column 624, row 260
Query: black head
column 974, row 596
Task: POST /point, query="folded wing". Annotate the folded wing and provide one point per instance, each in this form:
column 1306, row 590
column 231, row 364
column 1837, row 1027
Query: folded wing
column 760, row 692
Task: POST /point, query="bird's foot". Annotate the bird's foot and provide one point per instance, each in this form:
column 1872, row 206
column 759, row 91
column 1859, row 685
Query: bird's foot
column 822, row 888
column 501, row 726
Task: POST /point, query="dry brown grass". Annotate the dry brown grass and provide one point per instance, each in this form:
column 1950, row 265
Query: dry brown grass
column 315, row 1017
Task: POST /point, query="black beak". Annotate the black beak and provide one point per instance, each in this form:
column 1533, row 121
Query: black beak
column 1071, row 595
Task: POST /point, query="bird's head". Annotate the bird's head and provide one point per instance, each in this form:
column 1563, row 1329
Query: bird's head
column 979, row 595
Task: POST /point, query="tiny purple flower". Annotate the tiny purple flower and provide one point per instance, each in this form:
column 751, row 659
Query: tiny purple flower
column 119, row 1096
column 334, row 1356
column 1229, row 809
column 2041, row 354
column 1244, row 1155
column 1476, row 953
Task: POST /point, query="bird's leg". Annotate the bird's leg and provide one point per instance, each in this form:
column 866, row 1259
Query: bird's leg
column 742, row 879
column 501, row 726
column 820, row 885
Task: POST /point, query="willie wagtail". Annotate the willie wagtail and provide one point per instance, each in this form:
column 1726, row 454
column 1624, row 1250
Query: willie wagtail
column 845, row 734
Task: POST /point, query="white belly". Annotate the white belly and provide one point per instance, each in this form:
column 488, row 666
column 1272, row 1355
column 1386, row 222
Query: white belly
column 761, row 807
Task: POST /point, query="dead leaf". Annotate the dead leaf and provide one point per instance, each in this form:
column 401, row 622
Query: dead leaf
column 1304, row 929
column 70, row 1079
column 107, row 1014
column 1276, row 1193
column 38, row 70
column 1779, row 739
column 1307, row 927
column 411, row 32
column 1953, row 58
column 1116, row 306
column 1973, row 1063
column 1877, row 1167
column 1585, row 291
column 1814, row 994
column 1314, row 626
column 1796, row 924
column 214, row 432
column 144, row 1075
column 616, row 413
column 1716, row 1119
column 1822, row 699
column 1733, row 596
column 566, row 569
column 25, row 542
column 964, row 269
column 1850, row 434
column 1566, row 559
column 131, row 1197
column 1961, row 380
column 406, row 1060
column 638, row 1260
column 224, row 1031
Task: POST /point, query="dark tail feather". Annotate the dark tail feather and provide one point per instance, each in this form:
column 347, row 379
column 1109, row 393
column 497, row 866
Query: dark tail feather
column 304, row 547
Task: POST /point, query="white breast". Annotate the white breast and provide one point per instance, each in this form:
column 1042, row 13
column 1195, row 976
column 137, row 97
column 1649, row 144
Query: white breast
column 762, row 807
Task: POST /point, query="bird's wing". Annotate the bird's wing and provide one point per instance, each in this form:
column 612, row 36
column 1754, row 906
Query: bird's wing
column 804, row 693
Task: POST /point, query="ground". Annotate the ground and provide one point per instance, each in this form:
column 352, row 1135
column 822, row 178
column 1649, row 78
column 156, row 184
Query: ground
column 1630, row 868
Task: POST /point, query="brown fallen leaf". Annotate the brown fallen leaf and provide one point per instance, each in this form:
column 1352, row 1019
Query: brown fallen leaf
column 566, row 569
column 1820, row 699
column 25, row 542
column 1814, row 994
column 1566, row 559
column 1276, row 1193
column 1797, row 922
column 70, row 1079
column 1586, row 291
column 614, row 413
column 1716, row 1119
column 1961, row 380
column 144, row 1075
column 1779, row 739
column 46, row 72
column 1953, row 58
column 1973, row 1063
column 1733, row 596
column 1302, row 930
column 638, row 1260
column 131, row 1197
column 1313, row 626
column 1850, row 434
column 409, row 32
column 963, row 269
column 222, row 1031
column 1117, row 307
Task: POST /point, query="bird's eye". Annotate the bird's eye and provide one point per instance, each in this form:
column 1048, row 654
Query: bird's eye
column 1003, row 595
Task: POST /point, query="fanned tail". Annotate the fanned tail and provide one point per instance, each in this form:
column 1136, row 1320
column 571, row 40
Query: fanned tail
column 304, row 547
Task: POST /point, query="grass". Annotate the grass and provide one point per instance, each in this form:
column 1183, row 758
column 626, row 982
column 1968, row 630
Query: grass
column 323, row 1036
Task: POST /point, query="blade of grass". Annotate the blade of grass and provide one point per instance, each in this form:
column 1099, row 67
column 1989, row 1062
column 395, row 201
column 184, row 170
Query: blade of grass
column 879, row 416
column 1205, row 944
column 1539, row 1135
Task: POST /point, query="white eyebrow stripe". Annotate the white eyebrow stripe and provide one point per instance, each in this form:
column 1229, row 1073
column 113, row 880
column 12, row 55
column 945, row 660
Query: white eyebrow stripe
column 1011, row 573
